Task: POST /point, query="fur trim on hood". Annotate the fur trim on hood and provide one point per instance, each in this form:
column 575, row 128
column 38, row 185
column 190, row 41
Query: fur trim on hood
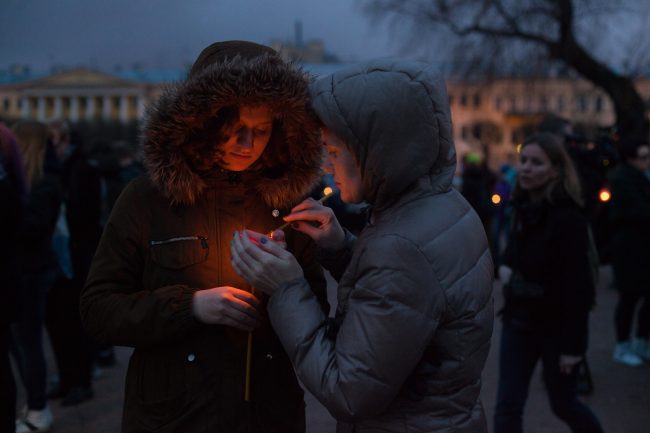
column 176, row 139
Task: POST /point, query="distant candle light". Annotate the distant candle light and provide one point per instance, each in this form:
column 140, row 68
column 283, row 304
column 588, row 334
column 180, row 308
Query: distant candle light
column 604, row 195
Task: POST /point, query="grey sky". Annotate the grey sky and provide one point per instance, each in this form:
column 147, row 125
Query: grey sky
column 168, row 33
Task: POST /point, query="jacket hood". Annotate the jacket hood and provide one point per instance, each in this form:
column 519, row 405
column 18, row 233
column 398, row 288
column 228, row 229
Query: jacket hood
column 175, row 140
column 394, row 115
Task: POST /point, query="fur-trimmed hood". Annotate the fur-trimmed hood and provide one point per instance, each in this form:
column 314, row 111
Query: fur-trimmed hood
column 174, row 136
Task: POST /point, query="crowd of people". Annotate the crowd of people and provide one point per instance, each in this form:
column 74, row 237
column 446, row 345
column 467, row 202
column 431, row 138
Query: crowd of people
column 55, row 194
column 176, row 254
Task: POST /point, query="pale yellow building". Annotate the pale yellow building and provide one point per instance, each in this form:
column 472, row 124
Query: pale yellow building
column 78, row 94
column 500, row 112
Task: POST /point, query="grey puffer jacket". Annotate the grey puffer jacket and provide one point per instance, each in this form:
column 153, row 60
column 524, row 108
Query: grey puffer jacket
column 415, row 306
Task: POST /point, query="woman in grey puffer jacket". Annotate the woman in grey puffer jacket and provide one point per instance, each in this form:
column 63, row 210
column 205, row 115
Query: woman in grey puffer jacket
column 414, row 318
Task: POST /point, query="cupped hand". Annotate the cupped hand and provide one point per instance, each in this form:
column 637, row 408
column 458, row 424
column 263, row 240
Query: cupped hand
column 568, row 363
column 318, row 222
column 228, row 306
column 266, row 265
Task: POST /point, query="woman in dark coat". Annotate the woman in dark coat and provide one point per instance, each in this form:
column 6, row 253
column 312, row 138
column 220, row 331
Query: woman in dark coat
column 37, row 265
column 629, row 213
column 550, row 288
column 13, row 195
column 223, row 149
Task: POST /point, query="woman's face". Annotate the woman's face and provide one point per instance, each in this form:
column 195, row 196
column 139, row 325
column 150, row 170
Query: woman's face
column 535, row 169
column 247, row 137
column 342, row 164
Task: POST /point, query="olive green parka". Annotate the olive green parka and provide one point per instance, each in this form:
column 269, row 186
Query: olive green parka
column 169, row 236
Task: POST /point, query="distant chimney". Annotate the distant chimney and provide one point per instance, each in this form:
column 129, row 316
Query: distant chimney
column 298, row 33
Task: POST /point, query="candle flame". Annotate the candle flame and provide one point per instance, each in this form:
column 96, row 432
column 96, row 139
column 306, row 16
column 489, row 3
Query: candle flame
column 604, row 195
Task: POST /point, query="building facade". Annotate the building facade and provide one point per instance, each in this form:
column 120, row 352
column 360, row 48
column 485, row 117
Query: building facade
column 78, row 94
column 499, row 113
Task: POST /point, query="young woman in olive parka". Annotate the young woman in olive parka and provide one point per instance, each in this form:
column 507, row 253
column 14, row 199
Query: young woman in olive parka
column 223, row 149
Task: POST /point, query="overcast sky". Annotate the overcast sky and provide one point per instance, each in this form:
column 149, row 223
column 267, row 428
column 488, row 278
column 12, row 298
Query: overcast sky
column 169, row 33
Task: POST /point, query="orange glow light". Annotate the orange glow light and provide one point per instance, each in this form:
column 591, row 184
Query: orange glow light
column 327, row 191
column 604, row 195
column 496, row 198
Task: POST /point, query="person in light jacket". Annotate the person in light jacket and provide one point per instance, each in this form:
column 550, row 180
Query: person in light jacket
column 223, row 149
column 415, row 311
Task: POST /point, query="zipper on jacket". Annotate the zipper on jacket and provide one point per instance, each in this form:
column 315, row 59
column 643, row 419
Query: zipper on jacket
column 203, row 239
column 217, row 235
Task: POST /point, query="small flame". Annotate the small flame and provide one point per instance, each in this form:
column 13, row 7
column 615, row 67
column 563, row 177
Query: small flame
column 604, row 195
column 327, row 190
column 496, row 198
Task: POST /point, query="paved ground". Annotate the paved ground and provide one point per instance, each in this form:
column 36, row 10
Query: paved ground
column 621, row 398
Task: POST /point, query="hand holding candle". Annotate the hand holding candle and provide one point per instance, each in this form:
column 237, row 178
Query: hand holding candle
column 327, row 193
column 318, row 222
column 266, row 266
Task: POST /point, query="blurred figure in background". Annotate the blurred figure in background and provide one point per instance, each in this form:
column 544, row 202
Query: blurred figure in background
column 78, row 232
column 37, row 267
column 501, row 221
column 630, row 226
column 477, row 185
column 13, row 195
column 549, row 288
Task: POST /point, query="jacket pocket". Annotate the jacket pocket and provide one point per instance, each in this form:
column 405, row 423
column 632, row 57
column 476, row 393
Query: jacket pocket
column 179, row 252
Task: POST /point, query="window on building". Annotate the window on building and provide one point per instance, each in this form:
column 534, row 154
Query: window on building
column 451, row 100
column 513, row 103
column 66, row 103
column 560, row 104
column 463, row 99
column 6, row 104
column 83, row 103
column 133, row 102
column 477, row 100
column 497, row 103
column 465, row 132
column 528, row 104
column 581, row 103
column 543, row 104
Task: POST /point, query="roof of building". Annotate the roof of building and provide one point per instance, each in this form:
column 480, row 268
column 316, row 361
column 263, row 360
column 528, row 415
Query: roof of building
column 147, row 76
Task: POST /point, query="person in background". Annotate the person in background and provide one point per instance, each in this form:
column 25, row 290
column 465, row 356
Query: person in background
column 13, row 196
column 37, row 267
column 75, row 239
column 548, row 288
column 229, row 147
column 630, row 237
column 414, row 319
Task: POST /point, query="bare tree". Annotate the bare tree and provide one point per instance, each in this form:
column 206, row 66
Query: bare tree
column 490, row 35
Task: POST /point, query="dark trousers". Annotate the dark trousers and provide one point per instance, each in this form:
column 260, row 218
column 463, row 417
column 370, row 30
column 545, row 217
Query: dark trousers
column 628, row 299
column 7, row 384
column 69, row 343
column 520, row 350
column 27, row 336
